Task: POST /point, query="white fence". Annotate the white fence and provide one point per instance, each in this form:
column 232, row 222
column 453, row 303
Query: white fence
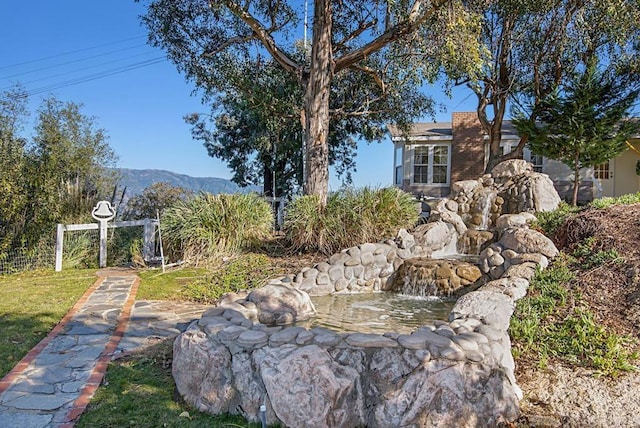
column 149, row 237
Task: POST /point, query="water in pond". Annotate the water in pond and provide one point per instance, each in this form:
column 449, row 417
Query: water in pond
column 377, row 312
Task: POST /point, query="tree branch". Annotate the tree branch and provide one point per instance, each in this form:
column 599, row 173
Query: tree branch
column 264, row 36
column 396, row 32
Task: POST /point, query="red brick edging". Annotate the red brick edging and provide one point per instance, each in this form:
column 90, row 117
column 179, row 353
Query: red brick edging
column 80, row 405
column 10, row 377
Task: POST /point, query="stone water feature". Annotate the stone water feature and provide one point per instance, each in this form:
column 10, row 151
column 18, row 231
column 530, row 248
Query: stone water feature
column 244, row 355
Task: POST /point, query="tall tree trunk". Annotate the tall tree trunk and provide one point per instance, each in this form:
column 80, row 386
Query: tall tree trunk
column 317, row 103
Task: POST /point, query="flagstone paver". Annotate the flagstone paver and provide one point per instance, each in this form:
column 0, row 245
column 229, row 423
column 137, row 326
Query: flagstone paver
column 53, row 384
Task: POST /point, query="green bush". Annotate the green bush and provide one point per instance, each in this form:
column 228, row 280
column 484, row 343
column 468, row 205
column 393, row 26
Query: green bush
column 589, row 255
column 207, row 226
column 601, row 203
column 246, row 272
column 549, row 222
column 351, row 217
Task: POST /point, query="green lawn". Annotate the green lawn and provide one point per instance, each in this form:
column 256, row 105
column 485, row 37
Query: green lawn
column 139, row 391
column 31, row 304
column 156, row 285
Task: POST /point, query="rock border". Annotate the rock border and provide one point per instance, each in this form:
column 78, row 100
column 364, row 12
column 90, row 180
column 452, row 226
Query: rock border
column 443, row 373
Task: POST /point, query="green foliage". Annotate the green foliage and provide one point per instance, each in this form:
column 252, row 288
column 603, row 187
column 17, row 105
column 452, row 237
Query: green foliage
column 139, row 391
column 602, row 203
column 550, row 221
column 155, row 198
column 158, row 285
column 589, row 255
column 80, row 250
column 551, row 323
column 207, row 226
column 351, row 217
column 246, row 272
column 583, row 125
column 56, row 177
column 371, row 78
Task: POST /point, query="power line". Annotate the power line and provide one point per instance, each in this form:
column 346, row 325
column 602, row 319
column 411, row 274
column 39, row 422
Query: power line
column 70, row 52
column 101, row 64
column 75, row 61
column 96, row 76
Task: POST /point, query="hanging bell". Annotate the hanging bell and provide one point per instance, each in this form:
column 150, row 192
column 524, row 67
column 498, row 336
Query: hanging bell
column 103, row 211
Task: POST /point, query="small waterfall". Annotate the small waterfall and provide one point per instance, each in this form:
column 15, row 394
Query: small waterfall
column 449, row 250
column 422, row 289
column 484, row 203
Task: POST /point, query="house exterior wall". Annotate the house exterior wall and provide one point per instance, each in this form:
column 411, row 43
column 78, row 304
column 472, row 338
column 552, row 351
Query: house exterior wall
column 625, row 180
column 468, row 153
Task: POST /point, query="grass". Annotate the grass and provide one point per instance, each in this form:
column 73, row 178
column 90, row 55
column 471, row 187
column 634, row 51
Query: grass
column 244, row 272
column 156, row 285
column 552, row 322
column 207, row 227
column 601, row 203
column 139, row 391
column 31, row 304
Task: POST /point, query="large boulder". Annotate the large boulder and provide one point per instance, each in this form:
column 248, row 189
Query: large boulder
column 307, row 388
column 543, row 194
column 281, row 304
column 523, row 240
column 511, row 168
column 435, row 235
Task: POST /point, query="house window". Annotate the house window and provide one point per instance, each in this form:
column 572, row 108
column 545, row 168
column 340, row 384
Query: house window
column 536, row 160
column 398, row 166
column 431, row 164
column 601, row 171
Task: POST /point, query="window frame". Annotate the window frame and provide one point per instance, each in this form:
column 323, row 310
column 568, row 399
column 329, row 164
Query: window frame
column 430, row 147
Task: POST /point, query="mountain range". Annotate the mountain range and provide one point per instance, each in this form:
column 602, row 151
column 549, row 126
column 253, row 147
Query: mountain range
column 136, row 180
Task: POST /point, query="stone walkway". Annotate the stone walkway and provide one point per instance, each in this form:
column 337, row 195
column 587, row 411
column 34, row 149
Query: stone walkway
column 52, row 385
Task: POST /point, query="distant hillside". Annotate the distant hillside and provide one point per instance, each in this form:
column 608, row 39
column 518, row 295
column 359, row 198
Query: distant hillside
column 136, row 180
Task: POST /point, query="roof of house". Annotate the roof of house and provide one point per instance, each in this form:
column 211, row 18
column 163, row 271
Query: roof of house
column 443, row 130
column 425, row 129
column 439, row 129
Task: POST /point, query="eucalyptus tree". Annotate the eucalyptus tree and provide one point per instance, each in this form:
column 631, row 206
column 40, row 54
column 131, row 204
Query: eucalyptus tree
column 390, row 42
column 533, row 47
column 257, row 129
column 586, row 123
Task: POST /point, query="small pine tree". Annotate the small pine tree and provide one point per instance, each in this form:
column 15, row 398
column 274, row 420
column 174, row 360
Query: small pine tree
column 584, row 124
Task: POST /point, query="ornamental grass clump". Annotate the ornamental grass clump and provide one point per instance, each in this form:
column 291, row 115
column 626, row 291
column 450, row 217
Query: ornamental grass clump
column 351, row 217
column 207, row 226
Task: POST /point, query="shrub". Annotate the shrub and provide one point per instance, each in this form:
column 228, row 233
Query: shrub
column 207, row 226
column 351, row 217
column 549, row 222
column 245, row 272
column 628, row 199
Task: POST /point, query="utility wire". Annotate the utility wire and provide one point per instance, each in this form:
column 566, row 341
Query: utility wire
column 70, row 52
column 53, row 76
column 75, row 61
column 96, row 76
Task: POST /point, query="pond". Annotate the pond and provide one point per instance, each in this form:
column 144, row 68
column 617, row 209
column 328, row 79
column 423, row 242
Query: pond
column 377, row 312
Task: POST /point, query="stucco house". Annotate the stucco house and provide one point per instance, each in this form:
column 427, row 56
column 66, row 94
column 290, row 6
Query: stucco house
column 434, row 155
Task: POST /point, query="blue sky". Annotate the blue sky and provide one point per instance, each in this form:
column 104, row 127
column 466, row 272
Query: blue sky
column 51, row 47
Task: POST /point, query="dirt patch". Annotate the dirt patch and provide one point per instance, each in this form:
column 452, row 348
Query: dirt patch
column 611, row 289
column 570, row 396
